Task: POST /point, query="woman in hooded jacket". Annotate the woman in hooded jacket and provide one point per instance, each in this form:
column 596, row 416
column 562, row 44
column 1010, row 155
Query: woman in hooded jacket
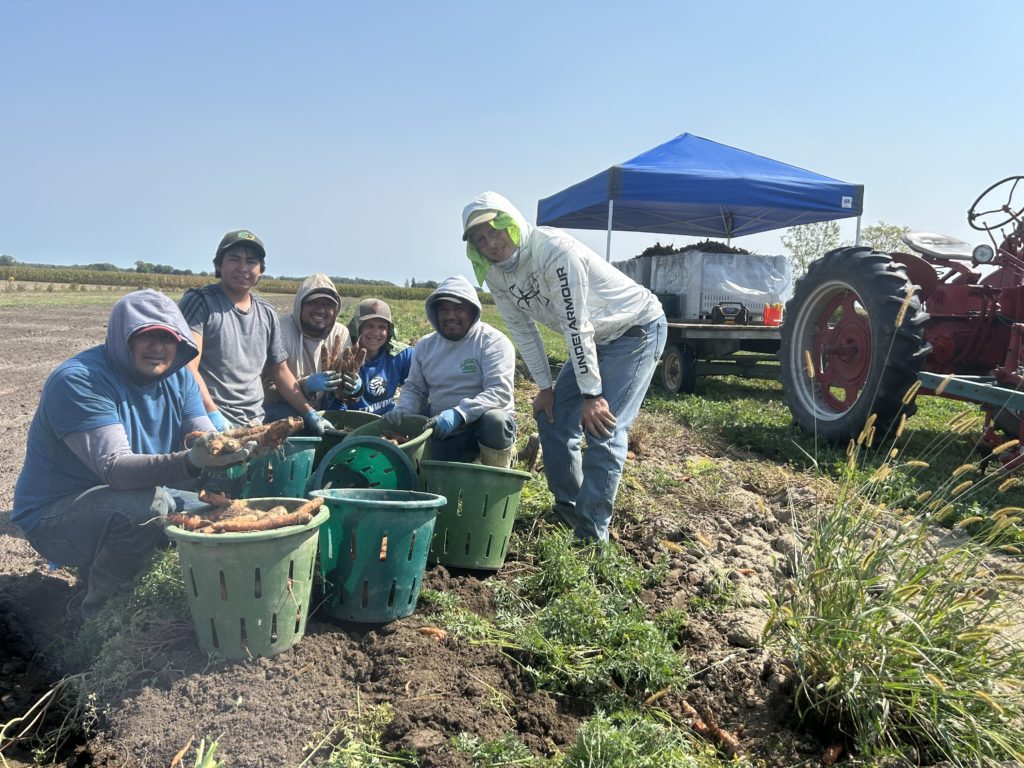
column 615, row 331
column 388, row 360
column 107, row 440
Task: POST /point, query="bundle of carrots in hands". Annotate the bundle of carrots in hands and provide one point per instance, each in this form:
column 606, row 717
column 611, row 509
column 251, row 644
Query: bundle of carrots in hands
column 235, row 516
column 345, row 361
column 262, row 439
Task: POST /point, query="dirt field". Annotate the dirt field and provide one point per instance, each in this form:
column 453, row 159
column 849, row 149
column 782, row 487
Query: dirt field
column 264, row 712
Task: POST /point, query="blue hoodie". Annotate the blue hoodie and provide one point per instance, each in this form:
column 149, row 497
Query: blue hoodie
column 100, row 388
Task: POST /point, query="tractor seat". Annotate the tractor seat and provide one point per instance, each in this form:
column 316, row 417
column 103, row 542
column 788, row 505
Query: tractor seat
column 938, row 246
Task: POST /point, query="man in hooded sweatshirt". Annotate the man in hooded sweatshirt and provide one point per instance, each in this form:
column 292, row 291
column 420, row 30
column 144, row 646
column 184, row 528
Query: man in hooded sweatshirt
column 107, row 438
column 462, row 377
column 614, row 328
column 238, row 335
column 311, row 329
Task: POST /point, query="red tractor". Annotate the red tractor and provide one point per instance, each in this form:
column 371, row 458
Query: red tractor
column 851, row 318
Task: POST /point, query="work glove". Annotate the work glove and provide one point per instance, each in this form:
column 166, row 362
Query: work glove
column 219, row 422
column 316, row 423
column 445, row 422
column 199, row 455
column 351, row 384
column 393, row 418
column 322, row 382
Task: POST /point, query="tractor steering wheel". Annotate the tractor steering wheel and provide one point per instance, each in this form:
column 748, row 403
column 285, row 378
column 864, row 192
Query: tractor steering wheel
column 976, row 218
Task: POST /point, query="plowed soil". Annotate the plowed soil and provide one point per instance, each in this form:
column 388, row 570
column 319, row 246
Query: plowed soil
column 265, row 712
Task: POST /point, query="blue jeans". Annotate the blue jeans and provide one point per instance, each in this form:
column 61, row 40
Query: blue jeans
column 584, row 483
column 495, row 429
column 106, row 533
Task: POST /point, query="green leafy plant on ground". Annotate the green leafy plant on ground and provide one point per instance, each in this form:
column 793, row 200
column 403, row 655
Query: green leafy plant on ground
column 625, row 739
column 576, row 625
column 355, row 742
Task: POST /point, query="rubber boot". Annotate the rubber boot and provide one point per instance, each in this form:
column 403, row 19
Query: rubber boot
column 496, row 457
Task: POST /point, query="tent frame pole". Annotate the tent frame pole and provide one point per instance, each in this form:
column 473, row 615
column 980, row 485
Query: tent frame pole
column 856, row 237
column 608, row 242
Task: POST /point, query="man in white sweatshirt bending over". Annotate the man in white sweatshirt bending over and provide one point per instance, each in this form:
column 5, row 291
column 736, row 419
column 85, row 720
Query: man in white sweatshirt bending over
column 462, row 377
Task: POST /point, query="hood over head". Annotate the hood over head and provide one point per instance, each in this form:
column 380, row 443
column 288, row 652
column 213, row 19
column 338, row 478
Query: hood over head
column 507, row 217
column 143, row 310
column 317, row 283
column 455, row 288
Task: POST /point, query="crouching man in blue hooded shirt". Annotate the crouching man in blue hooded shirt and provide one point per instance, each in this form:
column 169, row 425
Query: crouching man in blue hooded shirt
column 107, row 439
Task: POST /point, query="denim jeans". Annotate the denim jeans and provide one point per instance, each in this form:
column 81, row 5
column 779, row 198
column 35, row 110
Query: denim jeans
column 584, row 483
column 495, row 429
column 107, row 534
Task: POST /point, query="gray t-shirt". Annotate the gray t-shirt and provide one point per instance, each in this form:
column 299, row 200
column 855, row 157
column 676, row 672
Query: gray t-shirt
column 236, row 347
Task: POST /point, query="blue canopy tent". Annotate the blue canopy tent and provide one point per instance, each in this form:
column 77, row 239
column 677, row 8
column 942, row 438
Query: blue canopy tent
column 693, row 186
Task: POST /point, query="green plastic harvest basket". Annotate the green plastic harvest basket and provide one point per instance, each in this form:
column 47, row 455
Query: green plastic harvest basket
column 249, row 592
column 473, row 529
column 373, row 551
column 412, row 427
column 342, row 420
column 281, row 474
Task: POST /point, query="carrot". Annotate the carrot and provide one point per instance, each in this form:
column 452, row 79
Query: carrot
column 435, row 632
column 188, row 522
column 248, row 523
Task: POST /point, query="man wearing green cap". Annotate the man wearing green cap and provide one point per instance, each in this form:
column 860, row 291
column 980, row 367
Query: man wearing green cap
column 238, row 335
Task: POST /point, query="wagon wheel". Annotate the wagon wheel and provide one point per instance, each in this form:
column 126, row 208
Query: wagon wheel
column 843, row 313
column 1005, row 212
column 678, row 369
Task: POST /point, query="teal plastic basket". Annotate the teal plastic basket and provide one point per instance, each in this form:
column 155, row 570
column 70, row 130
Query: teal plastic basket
column 373, row 551
column 282, row 474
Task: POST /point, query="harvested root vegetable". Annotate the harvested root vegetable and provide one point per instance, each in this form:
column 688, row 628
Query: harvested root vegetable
column 435, row 632
column 235, row 516
column 394, row 437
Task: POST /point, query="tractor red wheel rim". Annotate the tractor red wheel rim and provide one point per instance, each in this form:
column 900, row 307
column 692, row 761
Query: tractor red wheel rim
column 842, row 349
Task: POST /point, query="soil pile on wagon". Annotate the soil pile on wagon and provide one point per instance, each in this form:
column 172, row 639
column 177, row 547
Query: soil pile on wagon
column 705, row 246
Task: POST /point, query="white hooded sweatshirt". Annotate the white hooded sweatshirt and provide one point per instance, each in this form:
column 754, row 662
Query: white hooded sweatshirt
column 561, row 283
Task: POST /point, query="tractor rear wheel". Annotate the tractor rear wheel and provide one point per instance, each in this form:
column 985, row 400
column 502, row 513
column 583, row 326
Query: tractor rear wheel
column 843, row 314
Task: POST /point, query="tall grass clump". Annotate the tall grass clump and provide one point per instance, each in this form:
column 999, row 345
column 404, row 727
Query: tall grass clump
column 901, row 639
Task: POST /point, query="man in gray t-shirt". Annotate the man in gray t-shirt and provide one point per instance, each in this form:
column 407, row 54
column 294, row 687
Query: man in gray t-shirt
column 239, row 336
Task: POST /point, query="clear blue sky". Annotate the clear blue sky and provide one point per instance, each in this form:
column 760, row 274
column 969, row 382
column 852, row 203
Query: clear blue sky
column 349, row 136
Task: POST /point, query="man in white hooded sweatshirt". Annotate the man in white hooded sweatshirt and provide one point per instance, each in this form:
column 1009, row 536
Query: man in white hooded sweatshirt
column 614, row 328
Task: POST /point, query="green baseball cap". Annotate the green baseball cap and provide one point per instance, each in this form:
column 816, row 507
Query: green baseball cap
column 241, row 236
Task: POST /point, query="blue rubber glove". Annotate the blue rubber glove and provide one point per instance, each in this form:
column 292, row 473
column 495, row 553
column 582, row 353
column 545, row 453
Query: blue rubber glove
column 219, row 422
column 315, row 423
column 322, row 382
column 351, row 384
column 445, row 422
